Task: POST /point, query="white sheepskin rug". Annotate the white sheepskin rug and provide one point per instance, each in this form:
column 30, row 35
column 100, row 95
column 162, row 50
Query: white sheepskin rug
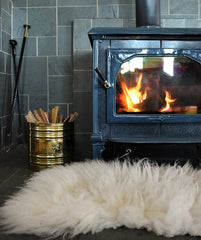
column 95, row 195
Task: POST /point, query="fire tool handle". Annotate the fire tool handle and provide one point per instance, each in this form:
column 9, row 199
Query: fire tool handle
column 105, row 82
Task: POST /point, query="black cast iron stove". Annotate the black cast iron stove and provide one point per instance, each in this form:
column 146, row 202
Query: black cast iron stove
column 146, row 83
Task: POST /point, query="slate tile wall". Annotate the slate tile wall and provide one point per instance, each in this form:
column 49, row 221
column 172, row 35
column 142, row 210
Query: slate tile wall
column 5, row 68
column 57, row 67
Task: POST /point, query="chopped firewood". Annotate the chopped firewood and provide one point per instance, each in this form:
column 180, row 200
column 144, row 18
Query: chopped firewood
column 32, row 116
column 56, row 113
column 44, row 117
column 66, row 119
column 51, row 116
column 73, row 117
column 61, row 118
column 29, row 118
column 38, row 116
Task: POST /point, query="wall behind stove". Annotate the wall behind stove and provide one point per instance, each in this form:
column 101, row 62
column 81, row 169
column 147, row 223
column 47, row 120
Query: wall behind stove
column 57, row 68
column 5, row 67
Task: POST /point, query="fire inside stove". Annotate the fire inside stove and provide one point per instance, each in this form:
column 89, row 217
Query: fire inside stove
column 159, row 85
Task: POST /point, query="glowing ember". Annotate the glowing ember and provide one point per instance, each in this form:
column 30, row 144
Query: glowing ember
column 168, row 101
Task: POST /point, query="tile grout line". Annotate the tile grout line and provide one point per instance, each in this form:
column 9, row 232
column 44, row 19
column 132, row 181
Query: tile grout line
column 57, row 30
column 48, row 85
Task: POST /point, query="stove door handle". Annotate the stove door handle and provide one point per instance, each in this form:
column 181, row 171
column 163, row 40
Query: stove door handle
column 105, row 82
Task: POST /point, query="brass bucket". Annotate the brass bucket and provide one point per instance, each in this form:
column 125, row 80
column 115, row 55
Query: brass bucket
column 50, row 144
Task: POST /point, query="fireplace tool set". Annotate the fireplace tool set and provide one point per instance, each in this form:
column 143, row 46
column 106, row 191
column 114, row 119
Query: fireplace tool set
column 17, row 71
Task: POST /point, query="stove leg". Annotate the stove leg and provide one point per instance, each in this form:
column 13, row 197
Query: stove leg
column 98, row 148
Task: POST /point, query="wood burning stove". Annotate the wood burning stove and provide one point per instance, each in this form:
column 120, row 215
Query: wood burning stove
column 146, row 85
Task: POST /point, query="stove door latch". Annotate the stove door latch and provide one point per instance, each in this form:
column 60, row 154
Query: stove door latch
column 105, row 82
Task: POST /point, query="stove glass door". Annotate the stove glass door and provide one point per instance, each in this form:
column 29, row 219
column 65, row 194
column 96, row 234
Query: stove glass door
column 158, row 84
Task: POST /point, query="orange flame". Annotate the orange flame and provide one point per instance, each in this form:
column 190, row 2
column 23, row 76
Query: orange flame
column 168, row 101
column 131, row 96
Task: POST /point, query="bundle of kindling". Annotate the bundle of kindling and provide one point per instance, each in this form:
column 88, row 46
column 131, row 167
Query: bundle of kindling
column 51, row 116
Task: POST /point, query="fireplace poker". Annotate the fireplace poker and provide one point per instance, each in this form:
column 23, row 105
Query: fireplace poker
column 26, row 27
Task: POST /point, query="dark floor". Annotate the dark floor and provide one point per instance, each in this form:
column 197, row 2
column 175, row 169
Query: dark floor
column 14, row 171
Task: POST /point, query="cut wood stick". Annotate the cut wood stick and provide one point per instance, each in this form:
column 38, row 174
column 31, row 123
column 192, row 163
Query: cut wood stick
column 37, row 116
column 50, row 116
column 42, row 113
column 73, row 117
column 56, row 113
column 46, row 116
column 33, row 117
column 61, row 118
column 29, row 118
column 53, row 115
column 66, row 119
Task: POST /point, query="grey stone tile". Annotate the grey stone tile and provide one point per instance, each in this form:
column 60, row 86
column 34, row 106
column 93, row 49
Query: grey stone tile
column 76, row 2
column 0, row 36
column 184, row 7
column 129, row 23
column 24, row 107
column 6, row 22
column 38, row 101
column 46, row 46
column 6, row 5
column 108, row 11
column 180, row 23
column 106, row 23
column 5, row 42
column 127, row 11
column 164, row 6
column 19, row 3
column 70, row 108
column 61, row 65
column 83, row 105
column 82, row 59
column 193, row 23
column 2, row 99
column 5, row 98
column 82, row 81
column 19, row 19
column 33, row 79
column 2, row 61
column 65, row 40
column 67, row 14
column 42, row 21
column 43, row 3
column 60, row 89
column 80, row 34
column 179, row 16
column 30, row 46
column 8, row 63
column 103, row 2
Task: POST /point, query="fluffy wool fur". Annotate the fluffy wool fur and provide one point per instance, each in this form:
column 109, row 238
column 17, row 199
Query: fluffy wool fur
column 95, row 195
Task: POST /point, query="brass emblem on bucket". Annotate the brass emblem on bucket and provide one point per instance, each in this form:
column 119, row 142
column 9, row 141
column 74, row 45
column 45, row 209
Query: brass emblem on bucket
column 57, row 147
